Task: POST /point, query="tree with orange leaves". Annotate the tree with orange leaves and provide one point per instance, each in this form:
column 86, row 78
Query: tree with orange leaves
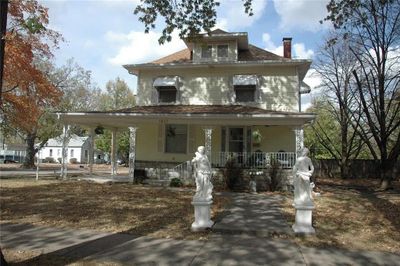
column 27, row 92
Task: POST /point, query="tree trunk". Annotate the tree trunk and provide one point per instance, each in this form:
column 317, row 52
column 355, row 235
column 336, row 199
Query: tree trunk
column 30, row 151
column 386, row 169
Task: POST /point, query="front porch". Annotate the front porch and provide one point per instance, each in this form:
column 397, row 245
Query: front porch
column 254, row 138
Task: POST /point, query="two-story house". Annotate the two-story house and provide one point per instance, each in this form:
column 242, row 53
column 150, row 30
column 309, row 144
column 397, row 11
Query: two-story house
column 222, row 92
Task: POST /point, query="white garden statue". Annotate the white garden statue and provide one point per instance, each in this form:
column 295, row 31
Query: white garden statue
column 202, row 199
column 202, row 174
column 302, row 172
column 303, row 201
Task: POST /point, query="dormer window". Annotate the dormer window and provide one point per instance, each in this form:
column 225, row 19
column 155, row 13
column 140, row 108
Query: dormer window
column 245, row 88
column 206, row 51
column 166, row 90
column 222, row 51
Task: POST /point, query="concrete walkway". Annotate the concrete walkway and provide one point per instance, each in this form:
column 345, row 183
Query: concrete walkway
column 230, row 244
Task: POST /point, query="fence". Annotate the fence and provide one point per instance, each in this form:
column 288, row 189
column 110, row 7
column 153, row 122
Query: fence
column 329, row 168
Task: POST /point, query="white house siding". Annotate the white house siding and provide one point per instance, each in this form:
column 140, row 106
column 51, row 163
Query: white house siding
column 232, row 51
column 213, row 85
column 78, row 153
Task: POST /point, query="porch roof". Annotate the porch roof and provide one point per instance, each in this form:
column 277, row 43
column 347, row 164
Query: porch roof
column 188, row 114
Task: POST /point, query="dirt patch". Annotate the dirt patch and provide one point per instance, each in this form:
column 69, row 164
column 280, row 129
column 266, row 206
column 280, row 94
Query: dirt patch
column 351, row 214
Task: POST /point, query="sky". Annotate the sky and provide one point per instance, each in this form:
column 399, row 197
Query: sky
column 102, row 35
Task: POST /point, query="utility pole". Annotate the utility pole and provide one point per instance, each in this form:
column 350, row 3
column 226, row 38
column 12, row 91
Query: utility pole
column 3, row 29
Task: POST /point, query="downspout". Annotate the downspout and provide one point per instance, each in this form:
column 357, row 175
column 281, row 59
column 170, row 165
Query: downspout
column 298, row 87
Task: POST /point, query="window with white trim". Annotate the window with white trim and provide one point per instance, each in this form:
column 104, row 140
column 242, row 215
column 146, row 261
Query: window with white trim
column 176, row 138
column 222, row 51
column 166, row 89
column 206, row 51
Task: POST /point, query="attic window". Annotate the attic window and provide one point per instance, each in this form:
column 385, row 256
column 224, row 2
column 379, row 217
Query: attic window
column 206, row 51
column 222, row 51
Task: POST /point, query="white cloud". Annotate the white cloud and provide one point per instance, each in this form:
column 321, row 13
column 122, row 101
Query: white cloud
column 231, row 14
column 314, row 81
column 303, row 14
column 299, row 50
column 138, row 47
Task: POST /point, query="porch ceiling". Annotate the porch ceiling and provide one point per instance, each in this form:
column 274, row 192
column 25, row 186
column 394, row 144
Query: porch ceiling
column 187, row 114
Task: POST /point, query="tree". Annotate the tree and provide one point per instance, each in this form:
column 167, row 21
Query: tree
column 26, row 90
column 334, row 65
column 372, row 28
column 118, row 96
column 189, row 17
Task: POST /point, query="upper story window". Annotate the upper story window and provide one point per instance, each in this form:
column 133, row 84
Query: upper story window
column 222, row 51
column 245, row 93
column 165, row 89
column 245, row 88
column 166, row 94
column 206, row 51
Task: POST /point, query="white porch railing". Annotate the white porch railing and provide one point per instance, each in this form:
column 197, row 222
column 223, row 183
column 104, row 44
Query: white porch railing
column 183, row 171
column 254, row 159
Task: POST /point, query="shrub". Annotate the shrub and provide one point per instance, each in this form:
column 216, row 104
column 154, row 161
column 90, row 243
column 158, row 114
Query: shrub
column 48, row 160
column 73, row 160
column 275, row 174
column 175, row 182
column 233, row 174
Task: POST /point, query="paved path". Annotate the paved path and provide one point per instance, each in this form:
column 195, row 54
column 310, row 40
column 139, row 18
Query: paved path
column 230, row 244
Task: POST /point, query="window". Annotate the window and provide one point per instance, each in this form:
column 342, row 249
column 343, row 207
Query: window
column 58, row 152
column 176, row 138
column 166, row 89
column 166, row 94
column 222, row 51
column 72, row 153
column 245, row 93
column 51, row 153
column 206, row 51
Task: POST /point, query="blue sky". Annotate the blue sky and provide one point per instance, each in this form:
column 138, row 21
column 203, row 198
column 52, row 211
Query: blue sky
column 101, row 35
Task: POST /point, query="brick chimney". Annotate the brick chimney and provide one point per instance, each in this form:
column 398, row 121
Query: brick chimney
column 287, row 48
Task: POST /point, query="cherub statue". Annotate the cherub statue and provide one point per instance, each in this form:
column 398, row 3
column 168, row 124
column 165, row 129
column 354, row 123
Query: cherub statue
column 302, row 172
column 202, row 174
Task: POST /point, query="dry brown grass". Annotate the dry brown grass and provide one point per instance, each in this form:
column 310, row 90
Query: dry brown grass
column 124, row 208
column 350, row 214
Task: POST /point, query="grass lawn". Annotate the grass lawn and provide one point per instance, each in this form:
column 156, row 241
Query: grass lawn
column 123, row 208
column 350, row 214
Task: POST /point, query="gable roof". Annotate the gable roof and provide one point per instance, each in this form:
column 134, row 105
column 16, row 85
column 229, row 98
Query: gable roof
column 75, row 141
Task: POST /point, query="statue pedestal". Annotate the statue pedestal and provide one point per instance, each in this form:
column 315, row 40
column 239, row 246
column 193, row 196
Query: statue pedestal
column 202, row 214
column 303, row 223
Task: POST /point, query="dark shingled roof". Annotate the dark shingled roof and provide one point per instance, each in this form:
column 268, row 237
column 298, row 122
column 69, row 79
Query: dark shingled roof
column 183, row 56
column 199, row 109
column 255, row 54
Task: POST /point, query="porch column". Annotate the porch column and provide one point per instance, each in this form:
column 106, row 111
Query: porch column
column 132, row 152
column 299, row 133
column 114, row 152
column 64, row 152
column 91, row 150
column 207, row 141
